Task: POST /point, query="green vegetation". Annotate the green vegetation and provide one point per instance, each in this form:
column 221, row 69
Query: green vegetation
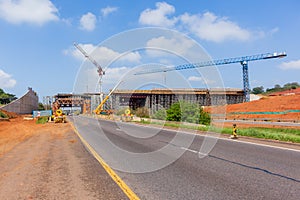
column 6, row 98
column 185, row 112
column 277, row 88
column 288, row 135
column 3, row 115
column 160, row 114
column 41, row 106
column 280, row 134
column 142, row 112
column 258, row 90
column 42, row 120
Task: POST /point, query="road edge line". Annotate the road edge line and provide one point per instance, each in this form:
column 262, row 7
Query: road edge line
column 219, row 138
column 124, row 187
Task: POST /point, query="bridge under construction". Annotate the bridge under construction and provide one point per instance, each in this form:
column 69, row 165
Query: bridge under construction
column 156, row 99
column 153, row 100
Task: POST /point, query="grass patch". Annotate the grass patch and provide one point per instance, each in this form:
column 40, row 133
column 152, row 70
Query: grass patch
column 42, row 120
column 289, row 135
column 280, row 134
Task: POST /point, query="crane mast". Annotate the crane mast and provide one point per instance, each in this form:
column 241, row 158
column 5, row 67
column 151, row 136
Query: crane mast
column 242, row 60
column 100, row 71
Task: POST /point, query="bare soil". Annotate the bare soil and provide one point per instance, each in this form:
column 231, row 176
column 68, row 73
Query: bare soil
column 48, row 161
column 265, row 104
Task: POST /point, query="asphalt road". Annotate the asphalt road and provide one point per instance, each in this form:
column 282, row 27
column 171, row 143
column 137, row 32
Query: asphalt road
column 160, row 164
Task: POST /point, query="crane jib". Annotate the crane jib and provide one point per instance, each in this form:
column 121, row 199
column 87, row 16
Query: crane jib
column 242, row 60
column 215, row 62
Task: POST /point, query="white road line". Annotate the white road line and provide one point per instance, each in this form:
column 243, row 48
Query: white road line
column 186, row 149
column 265, row 145
column 225, row 139
column 245, row 142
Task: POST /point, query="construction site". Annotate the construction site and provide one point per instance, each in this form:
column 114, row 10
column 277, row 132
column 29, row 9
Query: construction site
column 149, row 100
column 43, row 159
column 158, row 98
column 235, row 102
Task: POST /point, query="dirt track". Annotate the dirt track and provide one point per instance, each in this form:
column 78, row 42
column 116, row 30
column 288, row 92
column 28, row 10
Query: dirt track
column 49, row 162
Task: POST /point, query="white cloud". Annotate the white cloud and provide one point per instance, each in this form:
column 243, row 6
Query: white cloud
column 180, row 46
column 108, row 10
column 6, row 80
column 113, row 75
column 274, row 30
column 206, row 26
column 290, row 65
column 88, row 22
column 213, row 28
column 195, row 78
column 28, row 11
column 202, row 80
column 158, row 16
column 88, row 79
column 103, row 55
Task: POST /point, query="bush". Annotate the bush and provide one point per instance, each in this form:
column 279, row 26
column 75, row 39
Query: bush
column 204, row 118
column 42, row 120
column 3, row 115
column 187, row 112
column 160, row 114
column 142, row 112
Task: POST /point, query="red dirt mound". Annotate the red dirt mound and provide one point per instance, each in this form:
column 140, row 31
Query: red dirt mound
column 289, row 105
column 286, row 92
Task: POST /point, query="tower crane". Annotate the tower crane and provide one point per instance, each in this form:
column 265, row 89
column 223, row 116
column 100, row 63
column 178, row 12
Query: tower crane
column 100, row 71
column 242, row 60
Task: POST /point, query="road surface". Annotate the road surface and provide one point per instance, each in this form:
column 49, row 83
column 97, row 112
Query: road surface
column 232, row 170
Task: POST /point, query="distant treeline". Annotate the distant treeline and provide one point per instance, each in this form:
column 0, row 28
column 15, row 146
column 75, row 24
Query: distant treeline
column 6, row 98
column 276, row 88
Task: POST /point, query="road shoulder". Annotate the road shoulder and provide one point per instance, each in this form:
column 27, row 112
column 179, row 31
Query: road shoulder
column 54, row 164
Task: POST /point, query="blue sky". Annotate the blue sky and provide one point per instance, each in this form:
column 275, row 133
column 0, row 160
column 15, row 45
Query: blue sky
column 37, row 39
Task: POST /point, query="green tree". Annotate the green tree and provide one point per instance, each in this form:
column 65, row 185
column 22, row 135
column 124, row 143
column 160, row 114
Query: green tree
column 258, row 90
column 174, row 112
column 6, row 98
column 292, row 85
column 187, row 112
column 277, row 87
column 41, row 106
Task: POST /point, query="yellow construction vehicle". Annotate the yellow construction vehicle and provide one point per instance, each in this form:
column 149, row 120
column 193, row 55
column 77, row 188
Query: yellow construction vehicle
column 127, row 116
column 59, row 116
column 99, row 109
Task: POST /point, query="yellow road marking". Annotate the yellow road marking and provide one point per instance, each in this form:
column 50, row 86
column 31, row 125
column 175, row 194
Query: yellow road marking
column 130, row 194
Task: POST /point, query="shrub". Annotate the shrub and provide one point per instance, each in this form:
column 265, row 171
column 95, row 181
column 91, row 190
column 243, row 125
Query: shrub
column 142, row 112
column 160, row 114
column 187, row 112
column 42, row 120
column 3, row 115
